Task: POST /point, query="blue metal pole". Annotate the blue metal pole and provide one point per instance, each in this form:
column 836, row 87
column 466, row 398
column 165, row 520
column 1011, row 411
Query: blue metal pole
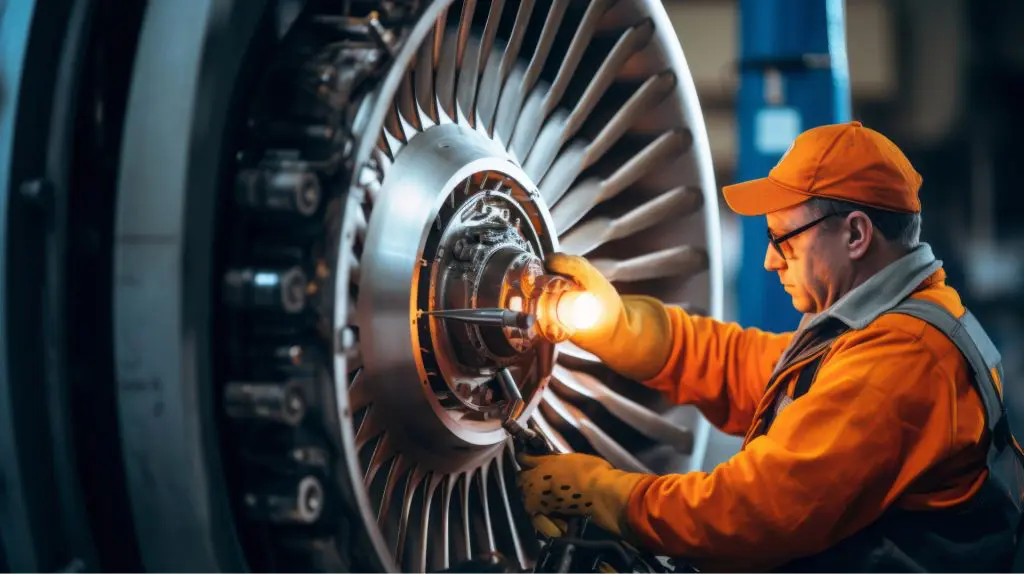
column 794, row 76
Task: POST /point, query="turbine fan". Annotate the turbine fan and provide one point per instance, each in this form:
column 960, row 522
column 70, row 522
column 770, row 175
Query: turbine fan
column 297, row 184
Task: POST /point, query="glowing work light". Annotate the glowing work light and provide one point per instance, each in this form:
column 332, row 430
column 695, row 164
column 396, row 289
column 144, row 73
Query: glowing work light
column 577, row 310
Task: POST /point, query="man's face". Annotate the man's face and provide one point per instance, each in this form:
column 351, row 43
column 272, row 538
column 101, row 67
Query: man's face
column 816, row 261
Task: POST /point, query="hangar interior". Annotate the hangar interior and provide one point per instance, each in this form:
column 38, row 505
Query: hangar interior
column 229, row 229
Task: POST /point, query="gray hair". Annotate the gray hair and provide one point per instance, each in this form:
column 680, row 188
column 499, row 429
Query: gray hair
column 901, row 229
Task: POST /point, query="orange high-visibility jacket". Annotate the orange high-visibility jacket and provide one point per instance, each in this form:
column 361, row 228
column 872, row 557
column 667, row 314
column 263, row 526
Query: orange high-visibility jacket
column 891, row 419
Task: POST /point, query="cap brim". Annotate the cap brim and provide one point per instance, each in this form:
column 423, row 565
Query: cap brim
column 761, row 196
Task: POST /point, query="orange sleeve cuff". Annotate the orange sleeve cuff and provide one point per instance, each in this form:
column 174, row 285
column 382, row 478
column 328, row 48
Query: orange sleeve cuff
column 637, row 526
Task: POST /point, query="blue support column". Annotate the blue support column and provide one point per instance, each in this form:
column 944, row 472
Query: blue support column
column 794, row 76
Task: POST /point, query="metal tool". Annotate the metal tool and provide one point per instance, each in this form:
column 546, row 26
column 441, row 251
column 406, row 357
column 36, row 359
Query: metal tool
column 525, row 439
column 496, row 316
column 581, row 548
column 529, row 441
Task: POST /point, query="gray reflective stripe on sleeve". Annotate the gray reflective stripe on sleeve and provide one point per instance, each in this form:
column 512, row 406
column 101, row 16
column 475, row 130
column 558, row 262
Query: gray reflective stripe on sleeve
column 970, row 338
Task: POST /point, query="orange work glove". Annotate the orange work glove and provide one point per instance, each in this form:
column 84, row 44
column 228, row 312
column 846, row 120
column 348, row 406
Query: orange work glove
column 632, row 335
column 576, row 485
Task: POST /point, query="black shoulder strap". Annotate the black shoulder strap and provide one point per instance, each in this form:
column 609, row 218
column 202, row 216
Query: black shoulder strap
column 968, row 335
column 1005, row 458
column 806, row 377
column 803, row 384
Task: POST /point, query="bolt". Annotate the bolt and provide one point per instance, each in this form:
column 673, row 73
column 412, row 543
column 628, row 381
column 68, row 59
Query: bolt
column 312, row 456
column 286, row 190
column 282, row 290
column 346, row 339
column 265, row 401
column 462, row 249
column 295, row 403
column 288, row 501
column 367, row 175
column 293, row 292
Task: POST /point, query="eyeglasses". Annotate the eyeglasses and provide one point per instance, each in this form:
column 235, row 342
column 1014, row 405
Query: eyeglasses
column 778, row 241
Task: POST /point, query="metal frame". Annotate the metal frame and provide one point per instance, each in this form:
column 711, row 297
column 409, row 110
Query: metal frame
column 171, row 173
column 188, row 57
column 43, row 525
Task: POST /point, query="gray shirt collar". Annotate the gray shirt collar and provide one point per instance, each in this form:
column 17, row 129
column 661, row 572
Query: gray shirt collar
column 880, row 292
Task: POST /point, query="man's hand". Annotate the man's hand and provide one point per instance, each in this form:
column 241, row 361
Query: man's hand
column 575, row 485
column 632, row 335
column 589, row 278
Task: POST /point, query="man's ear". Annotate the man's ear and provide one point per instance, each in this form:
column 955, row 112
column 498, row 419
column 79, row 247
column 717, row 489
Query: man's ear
column 861, row 233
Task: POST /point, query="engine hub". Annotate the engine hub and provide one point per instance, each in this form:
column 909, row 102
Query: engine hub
column 467, row 230
column 486, row 258
column 328, row 174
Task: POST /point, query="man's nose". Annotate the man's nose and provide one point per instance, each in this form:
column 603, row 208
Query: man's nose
column 772, row 260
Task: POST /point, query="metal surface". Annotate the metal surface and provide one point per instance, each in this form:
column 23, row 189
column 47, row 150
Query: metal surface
column 44, row 523
column 496, row 128
column 299, row 187
column 429, row 174
column 495, row 316
column 528, row 123
column 167, row 193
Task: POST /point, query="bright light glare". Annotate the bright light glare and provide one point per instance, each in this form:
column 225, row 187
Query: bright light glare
column 265, row 279
column 578, row 310
column 515, row 303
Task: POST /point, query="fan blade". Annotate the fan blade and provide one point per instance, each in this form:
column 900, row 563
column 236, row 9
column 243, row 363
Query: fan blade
column 595, row 232
column 584, row 197
column 603, row 444
column 684, row 261
column 644, row 420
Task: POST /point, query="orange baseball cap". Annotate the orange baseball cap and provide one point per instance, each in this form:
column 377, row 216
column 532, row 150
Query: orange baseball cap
column 840, row 161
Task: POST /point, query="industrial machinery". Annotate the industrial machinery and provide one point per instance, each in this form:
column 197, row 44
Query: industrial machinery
column 229, row 227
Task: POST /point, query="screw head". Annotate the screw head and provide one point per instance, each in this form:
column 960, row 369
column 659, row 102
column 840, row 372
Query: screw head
column 346, row 339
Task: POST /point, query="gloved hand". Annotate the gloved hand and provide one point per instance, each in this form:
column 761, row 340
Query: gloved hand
column 575, row 485
column 633, row 335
